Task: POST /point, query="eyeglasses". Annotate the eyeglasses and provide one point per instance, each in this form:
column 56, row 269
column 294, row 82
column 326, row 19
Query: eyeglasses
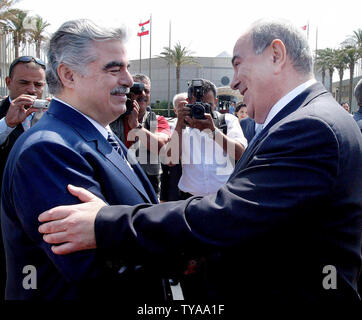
column 26, row 59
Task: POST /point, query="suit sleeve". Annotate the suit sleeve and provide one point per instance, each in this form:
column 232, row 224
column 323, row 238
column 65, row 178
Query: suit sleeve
column 39, row 182
column 293, row 169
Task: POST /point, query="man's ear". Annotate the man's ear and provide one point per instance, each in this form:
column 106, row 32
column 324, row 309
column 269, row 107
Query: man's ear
column 279, row 55
column 66, row 75
column 7, row 81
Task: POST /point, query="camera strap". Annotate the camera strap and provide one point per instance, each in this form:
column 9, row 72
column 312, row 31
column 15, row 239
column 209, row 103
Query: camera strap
column 220, row 123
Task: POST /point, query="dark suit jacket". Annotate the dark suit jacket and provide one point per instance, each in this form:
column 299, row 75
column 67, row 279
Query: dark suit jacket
column 64, row 147
column 248, row 127
column 291, row 207
column 6, row 147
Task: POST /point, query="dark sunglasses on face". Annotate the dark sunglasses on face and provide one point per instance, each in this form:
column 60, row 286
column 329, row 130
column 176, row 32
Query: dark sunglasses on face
column 26, row 59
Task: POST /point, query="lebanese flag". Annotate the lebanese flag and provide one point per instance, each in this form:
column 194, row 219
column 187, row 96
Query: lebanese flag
column 143, row 31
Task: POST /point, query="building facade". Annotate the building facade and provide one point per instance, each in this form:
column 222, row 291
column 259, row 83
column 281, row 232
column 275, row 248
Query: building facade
column 216, row 69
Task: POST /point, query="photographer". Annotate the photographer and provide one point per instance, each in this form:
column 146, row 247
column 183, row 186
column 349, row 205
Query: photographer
column 25, row 82
column 208, row 143
column 141, row 130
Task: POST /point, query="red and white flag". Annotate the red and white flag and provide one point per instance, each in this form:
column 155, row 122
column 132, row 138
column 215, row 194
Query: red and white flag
column 143, row 31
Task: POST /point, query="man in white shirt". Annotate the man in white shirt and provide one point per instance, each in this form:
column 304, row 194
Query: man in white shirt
column 207, row 153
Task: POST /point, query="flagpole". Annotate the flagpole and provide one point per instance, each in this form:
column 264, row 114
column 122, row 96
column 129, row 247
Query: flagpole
column 308, row 32
column 140, row 52
column 150, row 47
column 169, row 70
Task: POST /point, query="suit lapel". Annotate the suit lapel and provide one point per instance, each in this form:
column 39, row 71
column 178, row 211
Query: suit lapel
column 90, row 134
column 113, row 156
column 298, row 102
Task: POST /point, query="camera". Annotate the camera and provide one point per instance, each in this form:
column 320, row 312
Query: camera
column 40, row 104
column 137, row 88
column 199, row 108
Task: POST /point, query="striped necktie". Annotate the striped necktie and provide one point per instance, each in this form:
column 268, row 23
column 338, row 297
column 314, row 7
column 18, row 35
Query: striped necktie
column 116, row 146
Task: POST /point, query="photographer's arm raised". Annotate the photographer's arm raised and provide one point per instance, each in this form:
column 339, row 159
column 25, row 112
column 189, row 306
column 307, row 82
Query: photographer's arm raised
column 233, row 147
column 153, row 141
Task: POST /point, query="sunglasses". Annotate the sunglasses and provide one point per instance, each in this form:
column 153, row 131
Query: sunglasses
column 26, row 59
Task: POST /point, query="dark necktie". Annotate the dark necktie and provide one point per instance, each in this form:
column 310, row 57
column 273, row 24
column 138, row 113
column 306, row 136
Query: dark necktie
column 116, row 146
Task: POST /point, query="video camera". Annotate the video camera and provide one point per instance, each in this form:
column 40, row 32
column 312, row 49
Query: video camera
column 137, row 88
column 199, row 108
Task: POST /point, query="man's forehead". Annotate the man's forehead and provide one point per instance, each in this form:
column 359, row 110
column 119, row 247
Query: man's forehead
column 29, row 67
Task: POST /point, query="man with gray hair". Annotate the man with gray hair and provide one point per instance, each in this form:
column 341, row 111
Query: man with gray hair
column 286, row 227
column 358, row 94
column 88, row 75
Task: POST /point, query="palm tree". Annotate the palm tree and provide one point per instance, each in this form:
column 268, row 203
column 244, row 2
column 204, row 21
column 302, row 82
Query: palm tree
column 5, row 5
column 325, row 62
column 37, row 33
column 353, row 54
column 353, row 47
column 341, row 64
column 321, row 63
column 178, row 56
column 17, row 18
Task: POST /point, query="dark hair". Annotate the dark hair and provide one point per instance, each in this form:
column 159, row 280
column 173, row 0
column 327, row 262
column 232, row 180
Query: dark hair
column 206, row 87
column 25, row 59
column 239, row 106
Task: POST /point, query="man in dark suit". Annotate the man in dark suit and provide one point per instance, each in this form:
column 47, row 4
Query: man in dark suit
column 25, row 82
column 286, row 227
column 248, row 127
column 88, row 74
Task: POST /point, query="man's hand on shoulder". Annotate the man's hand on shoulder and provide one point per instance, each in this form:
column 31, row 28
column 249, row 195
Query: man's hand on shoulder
column 72, row 227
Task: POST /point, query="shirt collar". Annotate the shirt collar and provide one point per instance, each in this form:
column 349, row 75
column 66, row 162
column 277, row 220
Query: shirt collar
column 286, row 99
column 103, row 130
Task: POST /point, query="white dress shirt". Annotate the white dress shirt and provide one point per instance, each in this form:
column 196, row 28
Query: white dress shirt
column 205, row 165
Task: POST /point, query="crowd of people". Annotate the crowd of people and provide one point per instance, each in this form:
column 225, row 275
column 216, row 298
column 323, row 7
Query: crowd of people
column 98, row 195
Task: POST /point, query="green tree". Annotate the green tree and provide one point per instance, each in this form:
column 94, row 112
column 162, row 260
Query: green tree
column 321, row 63
column 329, row 62
column 36, row 33
column 341, row 64
column 178, row 56
column 5, row 5
column 17, row 18
column 353, row 47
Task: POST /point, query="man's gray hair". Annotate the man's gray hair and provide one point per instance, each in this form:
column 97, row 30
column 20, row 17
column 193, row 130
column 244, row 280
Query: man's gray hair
column 72, row 45
column 263, row 32
column 358, row 93
column 177, row 96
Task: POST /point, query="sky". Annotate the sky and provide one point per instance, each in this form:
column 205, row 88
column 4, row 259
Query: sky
column 206, row 28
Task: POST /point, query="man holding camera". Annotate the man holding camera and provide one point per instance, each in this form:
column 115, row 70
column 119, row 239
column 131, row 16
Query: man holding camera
column 209, row 142
column 142, row 131
column 25, row 82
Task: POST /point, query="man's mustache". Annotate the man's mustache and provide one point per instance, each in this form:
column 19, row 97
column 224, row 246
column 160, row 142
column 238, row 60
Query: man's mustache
column 120, row 90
